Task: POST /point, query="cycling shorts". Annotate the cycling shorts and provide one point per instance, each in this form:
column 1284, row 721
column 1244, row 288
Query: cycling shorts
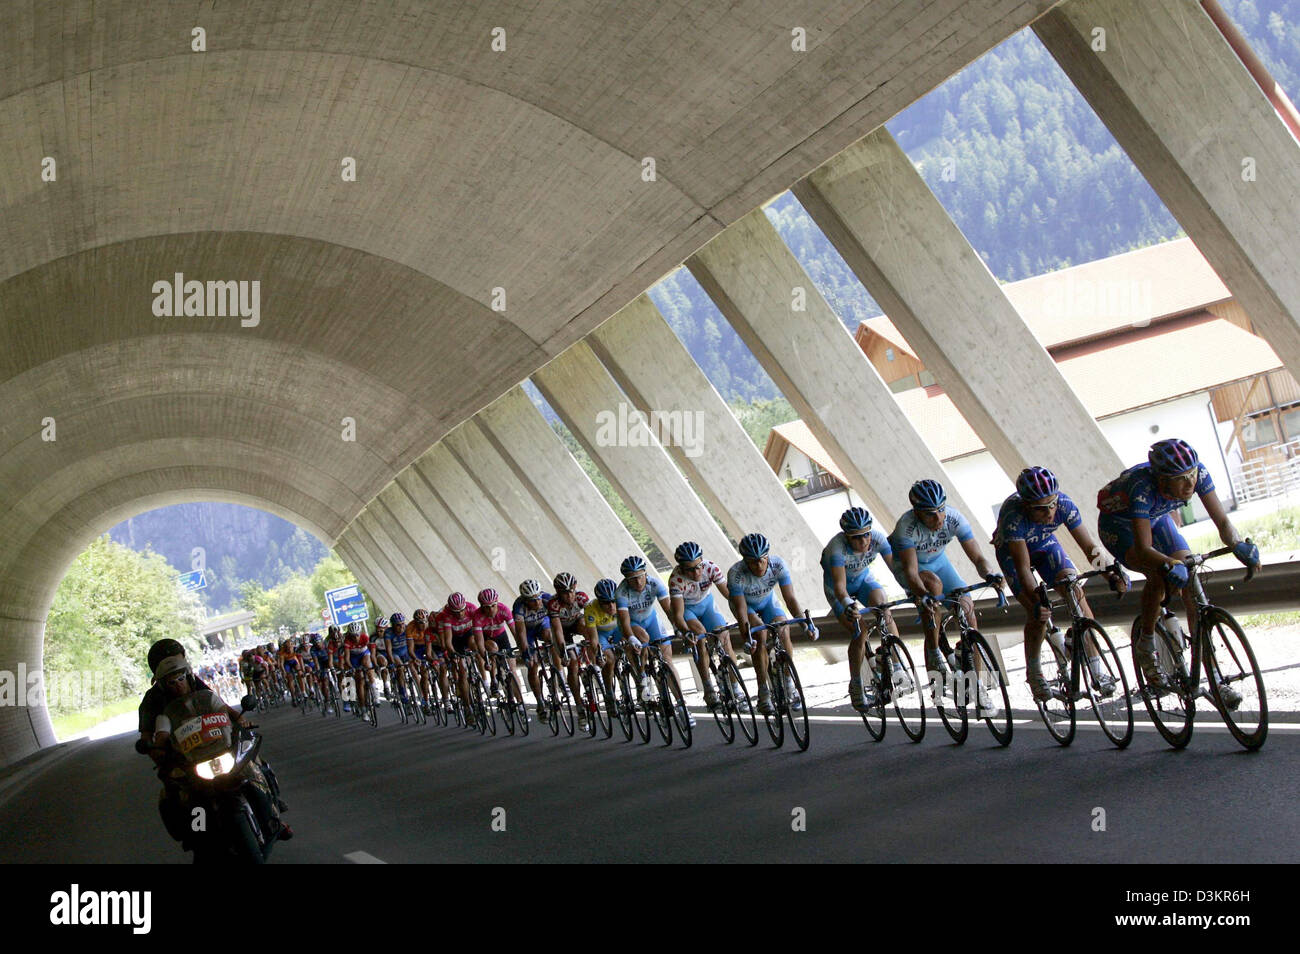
column 706, row 613
column 420, row 650
column 355, row 657
column 861, row 593
column 766, row 609
column 501, row 637
column 460, row 641
column 1117, row 536
column 1048, row 559
column 651, row 626
column 402, row 656
column 940, row 566
column 609, row 637
column 290, row 665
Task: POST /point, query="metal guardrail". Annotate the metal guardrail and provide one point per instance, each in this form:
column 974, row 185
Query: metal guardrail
column 1276, row 588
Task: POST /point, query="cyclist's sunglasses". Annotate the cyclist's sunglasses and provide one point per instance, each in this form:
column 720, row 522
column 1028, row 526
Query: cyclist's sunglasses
column 1044, row 507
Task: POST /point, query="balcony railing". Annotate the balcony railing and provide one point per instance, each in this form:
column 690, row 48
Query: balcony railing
column 822, row 483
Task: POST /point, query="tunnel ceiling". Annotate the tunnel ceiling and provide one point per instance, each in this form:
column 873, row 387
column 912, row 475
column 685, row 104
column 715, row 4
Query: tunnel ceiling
column 475, row 170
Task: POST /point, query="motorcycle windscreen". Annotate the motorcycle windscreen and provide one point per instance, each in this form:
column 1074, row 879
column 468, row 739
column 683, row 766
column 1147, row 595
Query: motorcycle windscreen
column 203, row 736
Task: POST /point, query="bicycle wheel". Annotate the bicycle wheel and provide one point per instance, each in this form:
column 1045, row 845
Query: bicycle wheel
column 677, row 705
column 1109, row 695
column 776, row 696
column 992, row 699
column 1231, row 669
column 549, row 702
column 626, row 703
column 1058, row 712
column 741, row 703
column 489, row 711
column 943, row 690
column 873, row 713
column 515, row 697
column 796, row 706
column 1171, row 705
column 724, row 709
column 906, row 691
column 565, row 700
column 662, row 707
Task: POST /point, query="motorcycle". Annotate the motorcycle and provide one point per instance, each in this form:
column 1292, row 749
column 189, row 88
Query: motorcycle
column 226, row 796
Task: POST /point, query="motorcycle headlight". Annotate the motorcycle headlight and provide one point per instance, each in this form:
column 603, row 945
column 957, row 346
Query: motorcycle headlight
column 219, row 766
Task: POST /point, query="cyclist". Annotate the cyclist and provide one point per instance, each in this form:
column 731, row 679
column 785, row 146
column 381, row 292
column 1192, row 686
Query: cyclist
column 751, row 583
column 1024, row 542
column 565, row 610
column 398, row 655
column 356, row 647
column 691, row 606
column 491, row 622
column 380, row 654
column 1136, row 527
column 420, row 636
column 290, row 663
column 600, row 620
column 636, row 597
column 922, row 569
column 455, row 622
column 848, row 584
column 530, row 619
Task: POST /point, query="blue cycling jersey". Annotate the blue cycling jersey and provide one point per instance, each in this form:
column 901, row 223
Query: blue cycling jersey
column 1134, row 495
column 532, row 618
column 857, row 566
column 397, row 639
column 640, row 605
column 911, row 534
column 1014, row 522
column 757, row 588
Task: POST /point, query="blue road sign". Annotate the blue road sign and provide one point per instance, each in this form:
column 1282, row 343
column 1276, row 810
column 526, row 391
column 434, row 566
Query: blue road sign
column 193, row 580
column 347, row 605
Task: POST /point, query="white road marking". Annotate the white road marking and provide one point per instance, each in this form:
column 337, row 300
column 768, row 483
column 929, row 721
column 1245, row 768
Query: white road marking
column 363, row 858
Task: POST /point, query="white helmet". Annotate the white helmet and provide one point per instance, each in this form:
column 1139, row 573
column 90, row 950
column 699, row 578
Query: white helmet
column 530, row 589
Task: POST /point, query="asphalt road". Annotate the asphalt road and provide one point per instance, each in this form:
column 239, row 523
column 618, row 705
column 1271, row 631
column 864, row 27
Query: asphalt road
column 411, row 794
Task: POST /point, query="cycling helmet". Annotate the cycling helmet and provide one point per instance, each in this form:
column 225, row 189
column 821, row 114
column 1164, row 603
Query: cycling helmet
column 605, row 590
column 355, row 629
column 927, row 495
column 753, row 546
column 1035, row 483
column 161, row 650
column 397, row 620
column 1172, row 456
column 633, row 564
column 488, row 597
column 456, row 602
column 530, row 589
column 565, row 581
column 855, row 520
column 688, row 552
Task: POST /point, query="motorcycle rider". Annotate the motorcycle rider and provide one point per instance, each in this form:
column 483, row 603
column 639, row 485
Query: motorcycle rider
column 184, row 701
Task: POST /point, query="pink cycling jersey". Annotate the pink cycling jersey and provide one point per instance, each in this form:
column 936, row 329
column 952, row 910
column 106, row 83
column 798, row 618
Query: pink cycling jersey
column 491, row 620
column 459, row 626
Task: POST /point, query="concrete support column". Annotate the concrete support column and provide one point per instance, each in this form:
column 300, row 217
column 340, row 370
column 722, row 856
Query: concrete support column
column 751, row 276
column 448, row 571
column 365, row 569
column 412, row 590
column 483, row 524
column 878, row 212
column 521, row 515
column 474, row 570
column 600, row 416
column 1181, row 104
column 402, row 531
column 704, row 438
column 557, row 482
column 366, row 575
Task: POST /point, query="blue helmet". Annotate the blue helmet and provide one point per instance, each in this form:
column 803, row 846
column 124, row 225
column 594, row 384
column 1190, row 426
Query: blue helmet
column 605, row 590
column 396, row 620
column 1035, row 483
column 1172, row 456
column 633, row 564
column 753, row 546
column 855, row 520
column 688, row 552
column 927, row 494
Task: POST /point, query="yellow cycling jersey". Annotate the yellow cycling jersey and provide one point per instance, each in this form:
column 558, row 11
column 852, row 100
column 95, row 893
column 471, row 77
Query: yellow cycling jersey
column 594, row 615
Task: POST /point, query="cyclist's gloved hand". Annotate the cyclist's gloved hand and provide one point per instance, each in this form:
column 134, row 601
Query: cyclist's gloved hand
column 1246, row 552
column 1176, row 575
